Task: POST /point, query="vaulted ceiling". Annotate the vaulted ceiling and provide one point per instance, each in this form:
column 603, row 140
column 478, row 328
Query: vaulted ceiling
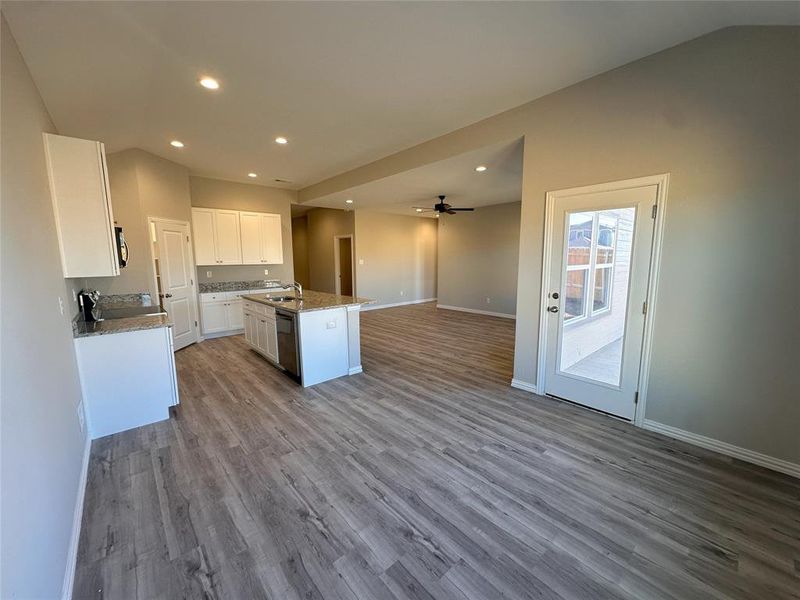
column 345, row 82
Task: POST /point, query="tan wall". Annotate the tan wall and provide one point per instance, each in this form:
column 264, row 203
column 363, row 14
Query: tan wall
column 478, row 254
column 300, row 248
column 216, row 193
column 142, row 185
column 719, row 114
column 399, row 256
column 323, row 225
column 42, row 442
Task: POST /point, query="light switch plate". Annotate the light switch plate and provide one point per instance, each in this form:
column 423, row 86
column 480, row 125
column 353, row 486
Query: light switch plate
column 266, row 271
column 361, row 261
column 208, row 274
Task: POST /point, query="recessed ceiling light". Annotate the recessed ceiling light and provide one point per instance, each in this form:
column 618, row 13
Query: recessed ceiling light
column 419, row 210
column 209, row 83
column 254, row 175
column 437, row 215
column 176, row 144
column 348, row 201
column 281, row 140
column 480, row 168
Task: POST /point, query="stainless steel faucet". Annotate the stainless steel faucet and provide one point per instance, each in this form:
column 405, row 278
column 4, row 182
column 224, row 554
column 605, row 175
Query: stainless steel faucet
column 299, row 289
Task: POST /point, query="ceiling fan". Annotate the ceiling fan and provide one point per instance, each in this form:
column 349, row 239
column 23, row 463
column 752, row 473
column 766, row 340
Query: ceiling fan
column 442, row 207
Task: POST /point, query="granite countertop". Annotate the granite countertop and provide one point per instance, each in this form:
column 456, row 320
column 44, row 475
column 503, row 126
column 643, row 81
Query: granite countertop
column 236, row 286
column 311, row 301
column 85, row 329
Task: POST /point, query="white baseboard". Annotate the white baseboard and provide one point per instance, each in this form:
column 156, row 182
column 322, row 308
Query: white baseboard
column 488, row 313
column 524, row 385
column 77, row 519
column 763, row 460
column 379, row 306
column 210, row 336
column 355, row 370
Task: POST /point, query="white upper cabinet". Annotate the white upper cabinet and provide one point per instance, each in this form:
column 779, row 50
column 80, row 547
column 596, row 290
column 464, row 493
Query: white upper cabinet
column 82, row 206
column 205, row 250
column 230, row 237
column 262, row 240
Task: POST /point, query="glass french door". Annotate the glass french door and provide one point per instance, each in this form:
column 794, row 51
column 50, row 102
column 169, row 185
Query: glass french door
column 599, row 271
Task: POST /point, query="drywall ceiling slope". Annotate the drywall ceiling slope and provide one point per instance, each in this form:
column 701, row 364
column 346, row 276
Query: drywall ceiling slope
column 346, row 82
column 454, row 177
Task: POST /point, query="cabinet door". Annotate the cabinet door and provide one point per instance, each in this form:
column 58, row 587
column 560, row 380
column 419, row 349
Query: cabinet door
column 235, row 314
column 227, row 237
column 249, row 330
column 271, row 240
column 214, row 317
column 203, row 228
column 261, row 334
column 272, row 340
column 82, row 205
column 250, row 224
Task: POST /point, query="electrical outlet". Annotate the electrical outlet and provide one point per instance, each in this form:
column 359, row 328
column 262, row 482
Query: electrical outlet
column 361, row 261
column 208, row 274
column 402, row 292
column 60, row 305
column 74, row 295
column 266, row 271
column 488, row 300
column 81, row 420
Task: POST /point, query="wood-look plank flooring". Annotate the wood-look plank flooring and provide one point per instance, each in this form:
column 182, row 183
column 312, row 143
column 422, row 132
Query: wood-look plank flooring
column 425, row 477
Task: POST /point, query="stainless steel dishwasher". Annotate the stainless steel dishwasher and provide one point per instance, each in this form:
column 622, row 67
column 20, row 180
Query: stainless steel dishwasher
column 288, row 356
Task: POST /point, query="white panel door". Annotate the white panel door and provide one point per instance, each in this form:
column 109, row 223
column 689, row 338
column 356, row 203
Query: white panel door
column 250, row 224
column 178, row 295
column 271, row 239
column 227, row 237
column 597, row 286
column 214, row 316
column 205, row 252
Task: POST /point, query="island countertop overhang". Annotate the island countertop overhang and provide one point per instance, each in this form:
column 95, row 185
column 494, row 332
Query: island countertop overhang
column 311, row 301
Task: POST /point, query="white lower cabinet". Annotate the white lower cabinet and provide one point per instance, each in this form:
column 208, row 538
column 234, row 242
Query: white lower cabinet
column 260, row 331
column 221, row 313
column 128, row 379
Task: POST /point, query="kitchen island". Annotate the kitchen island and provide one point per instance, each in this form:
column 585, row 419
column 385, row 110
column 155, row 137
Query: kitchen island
column 314, row 337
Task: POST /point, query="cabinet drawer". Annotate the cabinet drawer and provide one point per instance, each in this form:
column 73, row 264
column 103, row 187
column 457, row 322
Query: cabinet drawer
column 237, row 295
column 213, row 297
column 259, row 309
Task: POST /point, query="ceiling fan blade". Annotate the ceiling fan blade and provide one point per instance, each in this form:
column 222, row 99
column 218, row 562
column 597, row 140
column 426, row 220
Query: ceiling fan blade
column 464, row 209
column 450, row 211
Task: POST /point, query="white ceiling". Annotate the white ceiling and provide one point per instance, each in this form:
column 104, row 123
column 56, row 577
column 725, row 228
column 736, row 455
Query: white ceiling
column 346, row 82
column 454, row 177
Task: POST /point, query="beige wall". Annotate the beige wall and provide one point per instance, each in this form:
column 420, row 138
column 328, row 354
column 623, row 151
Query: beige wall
column 142, row 185
column 399, row 256
column 323, row 225
column 719, row 114
column 42, row 442
column 478, row 254
column 300, row 247
column 216, row 193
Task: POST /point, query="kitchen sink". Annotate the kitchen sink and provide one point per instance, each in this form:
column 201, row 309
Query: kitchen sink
column 283, row 298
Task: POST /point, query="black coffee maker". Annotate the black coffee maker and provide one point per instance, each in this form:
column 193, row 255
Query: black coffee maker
column 87, row 300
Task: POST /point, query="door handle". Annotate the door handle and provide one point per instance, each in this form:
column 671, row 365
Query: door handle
column 165, row 295
column 552, row 309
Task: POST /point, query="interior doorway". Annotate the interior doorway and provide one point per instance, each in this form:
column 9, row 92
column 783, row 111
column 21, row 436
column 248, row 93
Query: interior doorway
column 600, row 243
column 344, row 267
column 173, row 267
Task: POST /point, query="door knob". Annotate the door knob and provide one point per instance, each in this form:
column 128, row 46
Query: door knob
column 165, row 295
column 552, row 309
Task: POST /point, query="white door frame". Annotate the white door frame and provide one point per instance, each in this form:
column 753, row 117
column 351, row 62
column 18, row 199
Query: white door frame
column 151, row 221
column 662, row 182
column 337, row 262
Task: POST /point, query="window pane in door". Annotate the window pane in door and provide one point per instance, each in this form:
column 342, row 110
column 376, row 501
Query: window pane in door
column 591, row 347
column 575, row 294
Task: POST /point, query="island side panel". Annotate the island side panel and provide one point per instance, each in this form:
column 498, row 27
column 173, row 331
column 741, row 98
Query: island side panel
column 323, row 345
column 354, row 339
